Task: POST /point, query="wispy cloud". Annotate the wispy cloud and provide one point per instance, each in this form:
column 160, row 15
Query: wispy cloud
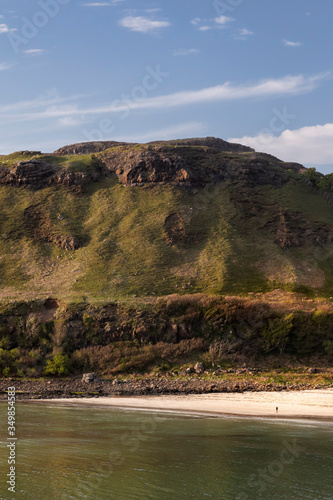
column 53, row 107
column 34, row 52
column 70, row 121
column 210, row 24
column 143, row 24
column 242, row 34
column 288, row 43
column 41, row 102
column 196, row 21
column 4, row 66
column 307, row 145
column 186, row 52
column 4, row 28
column 112, row 3
column 223, row 20
column 97, row 4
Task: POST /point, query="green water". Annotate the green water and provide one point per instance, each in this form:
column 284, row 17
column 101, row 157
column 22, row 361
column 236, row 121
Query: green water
column 102, row 453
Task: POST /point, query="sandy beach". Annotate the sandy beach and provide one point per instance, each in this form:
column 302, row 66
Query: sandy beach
column 311, row 404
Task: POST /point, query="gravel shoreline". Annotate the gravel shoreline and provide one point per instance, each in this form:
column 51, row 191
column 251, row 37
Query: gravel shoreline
column 76, row 388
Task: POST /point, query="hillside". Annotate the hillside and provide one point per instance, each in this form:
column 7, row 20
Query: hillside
column 109, row 221
column 148, row 258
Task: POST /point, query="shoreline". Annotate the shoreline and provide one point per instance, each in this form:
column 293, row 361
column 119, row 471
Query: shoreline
column 148, row 386
column 314, row 404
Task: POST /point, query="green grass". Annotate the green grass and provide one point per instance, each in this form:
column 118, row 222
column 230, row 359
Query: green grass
column 125, row 250
column 81, row 163
column 9, row 160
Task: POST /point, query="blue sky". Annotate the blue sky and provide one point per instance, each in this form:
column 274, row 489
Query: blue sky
column 257, row 72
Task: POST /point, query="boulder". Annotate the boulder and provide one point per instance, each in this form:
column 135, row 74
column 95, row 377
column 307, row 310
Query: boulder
column 199, row 368
column 190, row 370
column 88, row 377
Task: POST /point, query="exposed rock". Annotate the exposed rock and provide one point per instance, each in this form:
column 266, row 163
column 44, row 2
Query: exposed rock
column 66, row 178
column 84, row 148
column 190, row 370
column 293, row 229
column 211, row 142
column 199, row 368
column 88, row 377
column 190, row 166
column 187, row 162
column 50, row 304
column 30, row 153
column 38, row 173
column 174, row 228
column 99, row 146
column 41, row 227
column 34, row 173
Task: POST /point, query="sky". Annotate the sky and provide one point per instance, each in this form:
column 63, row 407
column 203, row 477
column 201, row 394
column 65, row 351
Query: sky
column 257, row 72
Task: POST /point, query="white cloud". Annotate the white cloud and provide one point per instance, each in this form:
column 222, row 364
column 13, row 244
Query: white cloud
column 186, row 52
column 34, row 52
column 288, row 43
column 5, row 65
column 196, row 21
column 307, row 145
column 242, row 34
column 245, row 32
column 210, row 24
column 44, row 108
column 223, row 20
column 4, row 28
column 143, row 24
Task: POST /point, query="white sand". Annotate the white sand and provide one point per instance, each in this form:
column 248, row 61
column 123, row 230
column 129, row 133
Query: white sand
column 314, row 404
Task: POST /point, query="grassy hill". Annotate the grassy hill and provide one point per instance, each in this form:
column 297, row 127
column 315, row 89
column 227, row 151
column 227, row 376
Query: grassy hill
column 117, row 257
column 148, row 226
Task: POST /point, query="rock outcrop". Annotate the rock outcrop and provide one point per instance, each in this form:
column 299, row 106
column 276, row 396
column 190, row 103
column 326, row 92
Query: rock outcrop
column 210, row 142
column 86, row 148
column 185, row 165
column 41, row 227
column 39, row 173
column 33, row 173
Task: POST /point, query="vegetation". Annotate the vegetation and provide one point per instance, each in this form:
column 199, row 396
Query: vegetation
column 163, row 334
column 141, row 274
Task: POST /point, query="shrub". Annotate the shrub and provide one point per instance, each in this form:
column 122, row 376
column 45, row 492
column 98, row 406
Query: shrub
column 59, row 365
column 328, row 345
column 276, row 335
column 313, row 176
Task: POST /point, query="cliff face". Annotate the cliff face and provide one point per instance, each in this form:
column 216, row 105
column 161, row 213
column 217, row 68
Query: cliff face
column 86, row 148
column 111, row 219
column 38, row 173
column 194, row 166
column 98, row 146
column 184, row 162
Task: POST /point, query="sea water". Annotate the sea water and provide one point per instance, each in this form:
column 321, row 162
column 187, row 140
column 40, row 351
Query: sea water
column 84, row 452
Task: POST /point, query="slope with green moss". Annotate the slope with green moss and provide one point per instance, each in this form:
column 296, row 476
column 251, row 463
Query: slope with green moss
column 150, row 220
